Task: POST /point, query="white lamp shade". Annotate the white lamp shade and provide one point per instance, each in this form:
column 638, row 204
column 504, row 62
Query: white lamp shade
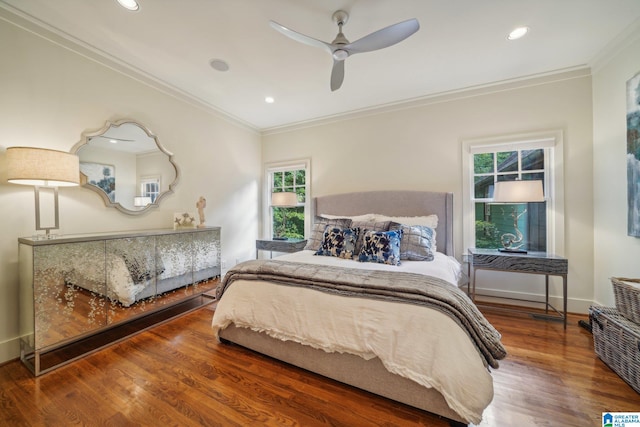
column 42, row 167
column 518, row 192
column 141, row 201
column 284, row 199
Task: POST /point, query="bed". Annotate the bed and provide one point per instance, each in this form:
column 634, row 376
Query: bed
column 431, row 350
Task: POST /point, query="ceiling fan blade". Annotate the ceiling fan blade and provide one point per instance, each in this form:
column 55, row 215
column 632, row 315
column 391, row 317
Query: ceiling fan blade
column 300, row 37
column 384, row 38
column 112, row 137
column 337, row 75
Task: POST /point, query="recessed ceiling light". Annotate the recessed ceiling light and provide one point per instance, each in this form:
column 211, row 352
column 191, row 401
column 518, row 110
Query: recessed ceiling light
column 269, row 99
column 219, row 64
column 129, row 4
column 518, row 33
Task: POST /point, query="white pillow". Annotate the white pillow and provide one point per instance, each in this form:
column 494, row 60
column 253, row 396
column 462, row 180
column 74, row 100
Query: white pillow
column 365, row 217
column 429, row 220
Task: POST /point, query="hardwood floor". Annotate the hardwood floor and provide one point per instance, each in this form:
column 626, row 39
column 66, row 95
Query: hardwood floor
column 176, row 374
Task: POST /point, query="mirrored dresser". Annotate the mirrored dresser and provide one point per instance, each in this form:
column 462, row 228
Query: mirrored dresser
column 79, row 293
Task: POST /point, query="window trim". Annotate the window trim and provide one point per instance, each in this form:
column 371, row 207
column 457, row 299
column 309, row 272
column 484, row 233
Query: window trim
column 553, row 143
column 269, row 168
column 150, row 179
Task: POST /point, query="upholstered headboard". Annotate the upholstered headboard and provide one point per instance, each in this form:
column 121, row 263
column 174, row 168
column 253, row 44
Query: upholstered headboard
column 395, row 203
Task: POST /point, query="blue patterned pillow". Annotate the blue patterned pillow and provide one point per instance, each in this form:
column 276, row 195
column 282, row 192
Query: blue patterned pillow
column 381, row 247
column 365, row 226
column 339, row 242
column 418, row 242
column 319, row 226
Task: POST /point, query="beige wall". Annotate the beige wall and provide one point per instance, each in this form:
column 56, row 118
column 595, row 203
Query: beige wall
column 420, row 148
column 616, row 253
column 49, row 95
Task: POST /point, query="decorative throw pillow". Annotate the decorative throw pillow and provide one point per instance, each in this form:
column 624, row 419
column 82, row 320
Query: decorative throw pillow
column 339, row 242
column 365, row 226
column 418, row 242
column 317, row 230
column 381, row 247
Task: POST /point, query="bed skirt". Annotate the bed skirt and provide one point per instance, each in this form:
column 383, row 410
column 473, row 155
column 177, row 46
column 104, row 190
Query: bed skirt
column 368, row 375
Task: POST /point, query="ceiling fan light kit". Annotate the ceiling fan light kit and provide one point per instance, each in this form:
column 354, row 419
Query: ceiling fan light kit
column 340, row 55
column 340, row 48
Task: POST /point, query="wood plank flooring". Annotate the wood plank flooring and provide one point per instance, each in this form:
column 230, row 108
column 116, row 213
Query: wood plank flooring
column 176, row 374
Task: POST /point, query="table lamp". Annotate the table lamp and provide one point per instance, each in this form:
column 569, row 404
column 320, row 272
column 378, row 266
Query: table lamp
column 515, row 192
column 285, row 199
column 140, row 201
column 42, row 167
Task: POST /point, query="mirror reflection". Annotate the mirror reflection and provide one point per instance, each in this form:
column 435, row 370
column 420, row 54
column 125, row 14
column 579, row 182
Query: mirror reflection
column 125, row 163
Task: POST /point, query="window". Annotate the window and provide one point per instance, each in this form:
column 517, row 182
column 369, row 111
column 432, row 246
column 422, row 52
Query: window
column 523, row 223
column 150, row 187
column 536, row 226
column 290, row 222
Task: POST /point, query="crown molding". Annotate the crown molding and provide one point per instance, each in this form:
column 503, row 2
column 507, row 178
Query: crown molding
column 630, row 35
column 53, row 35
column 442, row 97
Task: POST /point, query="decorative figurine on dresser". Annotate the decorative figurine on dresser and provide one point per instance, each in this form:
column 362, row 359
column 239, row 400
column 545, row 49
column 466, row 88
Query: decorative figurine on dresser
column 201, row 204
column 79, row 293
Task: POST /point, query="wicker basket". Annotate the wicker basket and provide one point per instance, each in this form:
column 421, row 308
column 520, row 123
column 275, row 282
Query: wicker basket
column 617, row 343
column 627, row 297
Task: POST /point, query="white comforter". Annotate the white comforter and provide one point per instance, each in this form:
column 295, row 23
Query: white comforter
column 421, row 344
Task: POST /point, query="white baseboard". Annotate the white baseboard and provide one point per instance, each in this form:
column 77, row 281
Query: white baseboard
column 9, row 350
column 574, row 305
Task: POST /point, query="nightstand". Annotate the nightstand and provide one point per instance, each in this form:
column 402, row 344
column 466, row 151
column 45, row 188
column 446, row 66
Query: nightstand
column 530, row 263
column 271, row 245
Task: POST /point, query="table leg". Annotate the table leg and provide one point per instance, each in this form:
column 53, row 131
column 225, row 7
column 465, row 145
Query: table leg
column 473, row 283
column 546, row 293
column 564, row 296
column 469, row 277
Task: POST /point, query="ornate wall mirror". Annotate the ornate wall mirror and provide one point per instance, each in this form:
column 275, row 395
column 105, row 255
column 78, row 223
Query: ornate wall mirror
column 126, row 165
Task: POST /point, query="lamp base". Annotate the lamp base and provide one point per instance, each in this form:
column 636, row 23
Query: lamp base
column 513, row 251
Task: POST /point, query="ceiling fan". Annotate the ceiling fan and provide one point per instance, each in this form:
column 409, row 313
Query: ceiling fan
column 113, row 138
column 340, row 48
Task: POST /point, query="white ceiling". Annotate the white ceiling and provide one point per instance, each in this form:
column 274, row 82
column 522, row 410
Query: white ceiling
column 461, row 44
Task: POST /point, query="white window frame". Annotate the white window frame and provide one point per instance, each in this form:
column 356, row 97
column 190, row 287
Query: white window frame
column 552, row 142
column 270, row 168
column 150, row 179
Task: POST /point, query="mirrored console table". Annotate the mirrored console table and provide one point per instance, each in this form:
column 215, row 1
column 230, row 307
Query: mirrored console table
column 79, row 293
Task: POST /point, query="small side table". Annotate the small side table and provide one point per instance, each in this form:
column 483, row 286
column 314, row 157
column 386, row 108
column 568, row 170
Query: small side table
column 531, row 263
column 289, row 245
